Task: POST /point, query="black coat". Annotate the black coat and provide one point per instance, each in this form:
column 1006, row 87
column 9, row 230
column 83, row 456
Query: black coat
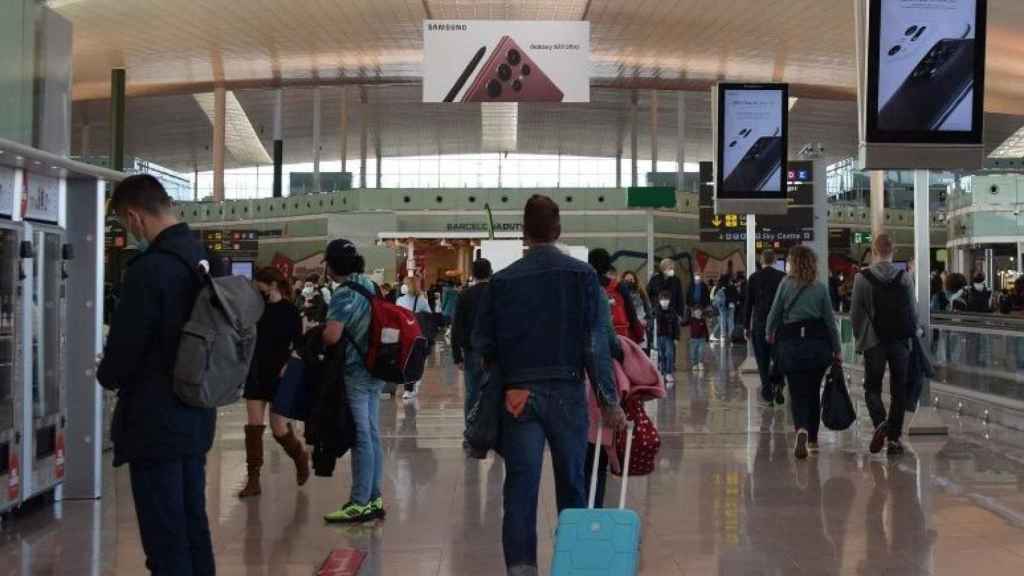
column 465, row 319
column 330, row 429
column 150, row 423
column 673, row 285
column 761, row 291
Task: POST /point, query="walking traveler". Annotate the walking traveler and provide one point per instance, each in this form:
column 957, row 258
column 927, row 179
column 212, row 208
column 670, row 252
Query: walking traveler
column 641, row 305
column 540, row 322
column 725, row 300
column 163, row 441
column 666, row 279
column 699, row 334
column 884, row 322
column 624, row 316
column 463, row 353
column 802, row 325
column 348, row 317
column 760, row 296
column 417, row 303
column 279, row 333
column 668, row 334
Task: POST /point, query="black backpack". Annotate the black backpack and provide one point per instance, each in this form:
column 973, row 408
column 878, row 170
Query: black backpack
column 978, row 300
column 894, row 311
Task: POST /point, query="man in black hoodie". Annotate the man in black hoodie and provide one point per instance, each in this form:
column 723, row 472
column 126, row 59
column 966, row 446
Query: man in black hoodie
column 163, row 441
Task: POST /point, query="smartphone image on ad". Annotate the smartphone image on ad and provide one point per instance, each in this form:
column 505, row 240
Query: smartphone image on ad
column 934, row 89
column 754, row 171
column 473, row 63
column 510, row 75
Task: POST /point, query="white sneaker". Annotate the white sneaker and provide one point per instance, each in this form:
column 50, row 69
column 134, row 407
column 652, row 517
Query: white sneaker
column 700, row 367
column 669, row 378
column 409, row 395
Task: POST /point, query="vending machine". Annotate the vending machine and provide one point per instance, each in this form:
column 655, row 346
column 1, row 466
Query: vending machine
column 11, row 389
column 45, row 290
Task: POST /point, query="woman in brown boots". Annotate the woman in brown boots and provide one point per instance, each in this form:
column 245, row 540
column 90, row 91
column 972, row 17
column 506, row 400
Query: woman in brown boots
column 279, row 331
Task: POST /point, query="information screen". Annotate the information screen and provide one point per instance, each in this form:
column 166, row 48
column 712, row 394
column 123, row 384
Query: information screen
column 245, row 269
column 752, row 141
column 926, row 71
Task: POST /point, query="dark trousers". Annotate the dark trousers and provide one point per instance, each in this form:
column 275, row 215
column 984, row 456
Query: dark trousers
column 474, row 376
column 763, row 355
column 805, row 400
column 895, row 355
column 170, row 503
column 556, row 412
column 602, row 474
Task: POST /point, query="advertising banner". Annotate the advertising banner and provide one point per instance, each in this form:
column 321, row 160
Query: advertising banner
column 506, row 61
column 926, row 71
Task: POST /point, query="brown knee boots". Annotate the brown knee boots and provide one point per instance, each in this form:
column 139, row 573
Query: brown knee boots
column 253, row 460
column 293, row 447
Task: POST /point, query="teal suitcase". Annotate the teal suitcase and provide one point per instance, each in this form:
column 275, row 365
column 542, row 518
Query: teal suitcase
column 599, row 542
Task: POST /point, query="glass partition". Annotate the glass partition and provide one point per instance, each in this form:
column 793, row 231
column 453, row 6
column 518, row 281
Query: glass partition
column 8, row 312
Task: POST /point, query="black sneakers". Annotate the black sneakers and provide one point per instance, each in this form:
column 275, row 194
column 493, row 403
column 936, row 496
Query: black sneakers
column 878, row 440
column 801, row 445
column 895, row 448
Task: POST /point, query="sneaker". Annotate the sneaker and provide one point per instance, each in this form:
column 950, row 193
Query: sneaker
column 895, row 448
column 409, row 395
column 766, row 396
column 351, row 513
column 670, row 379
column 780, row 398
column 812, row 447
column 377, row 505
column 878, row 440
column 801, row 445
column 700, row 367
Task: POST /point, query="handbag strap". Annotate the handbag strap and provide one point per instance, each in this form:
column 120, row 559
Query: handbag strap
column 785, row 311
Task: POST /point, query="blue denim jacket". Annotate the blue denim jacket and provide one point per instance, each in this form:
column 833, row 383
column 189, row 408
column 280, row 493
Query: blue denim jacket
column 546, row 318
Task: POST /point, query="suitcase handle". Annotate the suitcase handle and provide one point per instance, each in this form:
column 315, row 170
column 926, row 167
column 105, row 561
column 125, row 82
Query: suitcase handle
column 597, row 461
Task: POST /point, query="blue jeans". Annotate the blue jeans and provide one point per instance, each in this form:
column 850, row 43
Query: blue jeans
column 556, row 412
column 367, row 457
column 697, row 351
column 666, row 355
column 473, row 374
column 726, row 324
column 170, row 503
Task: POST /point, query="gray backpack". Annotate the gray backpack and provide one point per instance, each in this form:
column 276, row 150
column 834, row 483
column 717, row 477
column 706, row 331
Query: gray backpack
column 218, row 341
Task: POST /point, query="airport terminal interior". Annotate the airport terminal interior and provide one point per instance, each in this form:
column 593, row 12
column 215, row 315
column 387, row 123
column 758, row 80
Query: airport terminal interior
column 689, row 145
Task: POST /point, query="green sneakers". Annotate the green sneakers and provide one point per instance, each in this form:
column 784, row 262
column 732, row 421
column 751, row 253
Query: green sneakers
column 352, row 512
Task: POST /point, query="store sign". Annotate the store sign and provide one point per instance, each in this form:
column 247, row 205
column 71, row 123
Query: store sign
column 751, row 143
column 506, row 61
column 6, row 191
column 839, row 240
column 515, row 227
column 862, row 238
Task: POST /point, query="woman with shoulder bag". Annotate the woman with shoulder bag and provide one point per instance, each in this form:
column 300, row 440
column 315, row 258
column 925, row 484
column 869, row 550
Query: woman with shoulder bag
column 803, row 328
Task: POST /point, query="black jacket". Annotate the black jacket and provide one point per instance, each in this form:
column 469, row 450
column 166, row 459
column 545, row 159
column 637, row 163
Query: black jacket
column 761, row 291
column 673, row 285
column 150, row 423
column 330, row 429
column 465, row 319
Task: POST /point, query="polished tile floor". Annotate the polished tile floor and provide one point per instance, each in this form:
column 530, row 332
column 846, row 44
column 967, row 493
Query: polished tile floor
column 727, row 498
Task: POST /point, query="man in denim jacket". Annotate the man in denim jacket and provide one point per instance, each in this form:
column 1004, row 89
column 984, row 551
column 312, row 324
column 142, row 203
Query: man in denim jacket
column 543, row 325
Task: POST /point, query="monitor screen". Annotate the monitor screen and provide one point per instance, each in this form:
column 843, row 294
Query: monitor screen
column 926, row 71
column 780, row 265
column 752, row 141
column 904, row 266
column 246, row 269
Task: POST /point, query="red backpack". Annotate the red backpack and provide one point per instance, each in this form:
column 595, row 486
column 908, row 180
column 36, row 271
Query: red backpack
column 397, row 348
column 646, row 441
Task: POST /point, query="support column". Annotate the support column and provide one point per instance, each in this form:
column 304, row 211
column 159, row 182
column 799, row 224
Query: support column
column 654, row 131
column 618, row 169
column 877, row 202
column 278, row 143
column 83, row 479
column 219, row 133
column 651, row 263
column 378, row 151
column 363, row 113
column 343, row 130
column 926, row 420
column 749, row 365
column 86, row 142
column 681, row 141
column 317, row 189
column 820, row 195
column 634, row 128
column 117, row 131
column 1020, row 257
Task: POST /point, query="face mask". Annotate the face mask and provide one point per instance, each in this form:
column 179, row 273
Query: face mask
column 670, row 272
column 405, row 290
column 307, row 292
column 628, row 281
column 664, row 304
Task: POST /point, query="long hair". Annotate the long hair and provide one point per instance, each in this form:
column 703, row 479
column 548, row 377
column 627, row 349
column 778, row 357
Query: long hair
column 636, row 283
column 803, row 265
column 273, row 277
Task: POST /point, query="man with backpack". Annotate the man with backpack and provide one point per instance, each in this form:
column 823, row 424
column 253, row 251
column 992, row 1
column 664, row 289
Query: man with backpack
column 349, row 316
column 163, row 440
column 760, row 295
column 543, row 325
column 884, row 323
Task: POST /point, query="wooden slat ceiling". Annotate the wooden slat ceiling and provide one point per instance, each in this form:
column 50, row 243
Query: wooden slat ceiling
column 173, row 48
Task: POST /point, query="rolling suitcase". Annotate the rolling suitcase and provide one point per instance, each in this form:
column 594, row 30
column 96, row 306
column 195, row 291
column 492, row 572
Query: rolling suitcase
column 598, row 542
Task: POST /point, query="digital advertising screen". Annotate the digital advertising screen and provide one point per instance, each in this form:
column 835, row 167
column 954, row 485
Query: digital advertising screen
column 752, row 141
column 926, row 67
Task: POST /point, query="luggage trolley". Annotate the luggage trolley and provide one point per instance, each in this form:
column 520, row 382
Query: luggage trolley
column 44, row 305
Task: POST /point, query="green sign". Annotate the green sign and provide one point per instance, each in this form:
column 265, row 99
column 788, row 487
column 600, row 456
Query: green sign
column 862, row 238
column 651, row 197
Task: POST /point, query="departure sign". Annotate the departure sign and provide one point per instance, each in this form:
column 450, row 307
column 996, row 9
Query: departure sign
column 232, row 243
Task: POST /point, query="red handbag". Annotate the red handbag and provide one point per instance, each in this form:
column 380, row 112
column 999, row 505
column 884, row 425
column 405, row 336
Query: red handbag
column 646, row 441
